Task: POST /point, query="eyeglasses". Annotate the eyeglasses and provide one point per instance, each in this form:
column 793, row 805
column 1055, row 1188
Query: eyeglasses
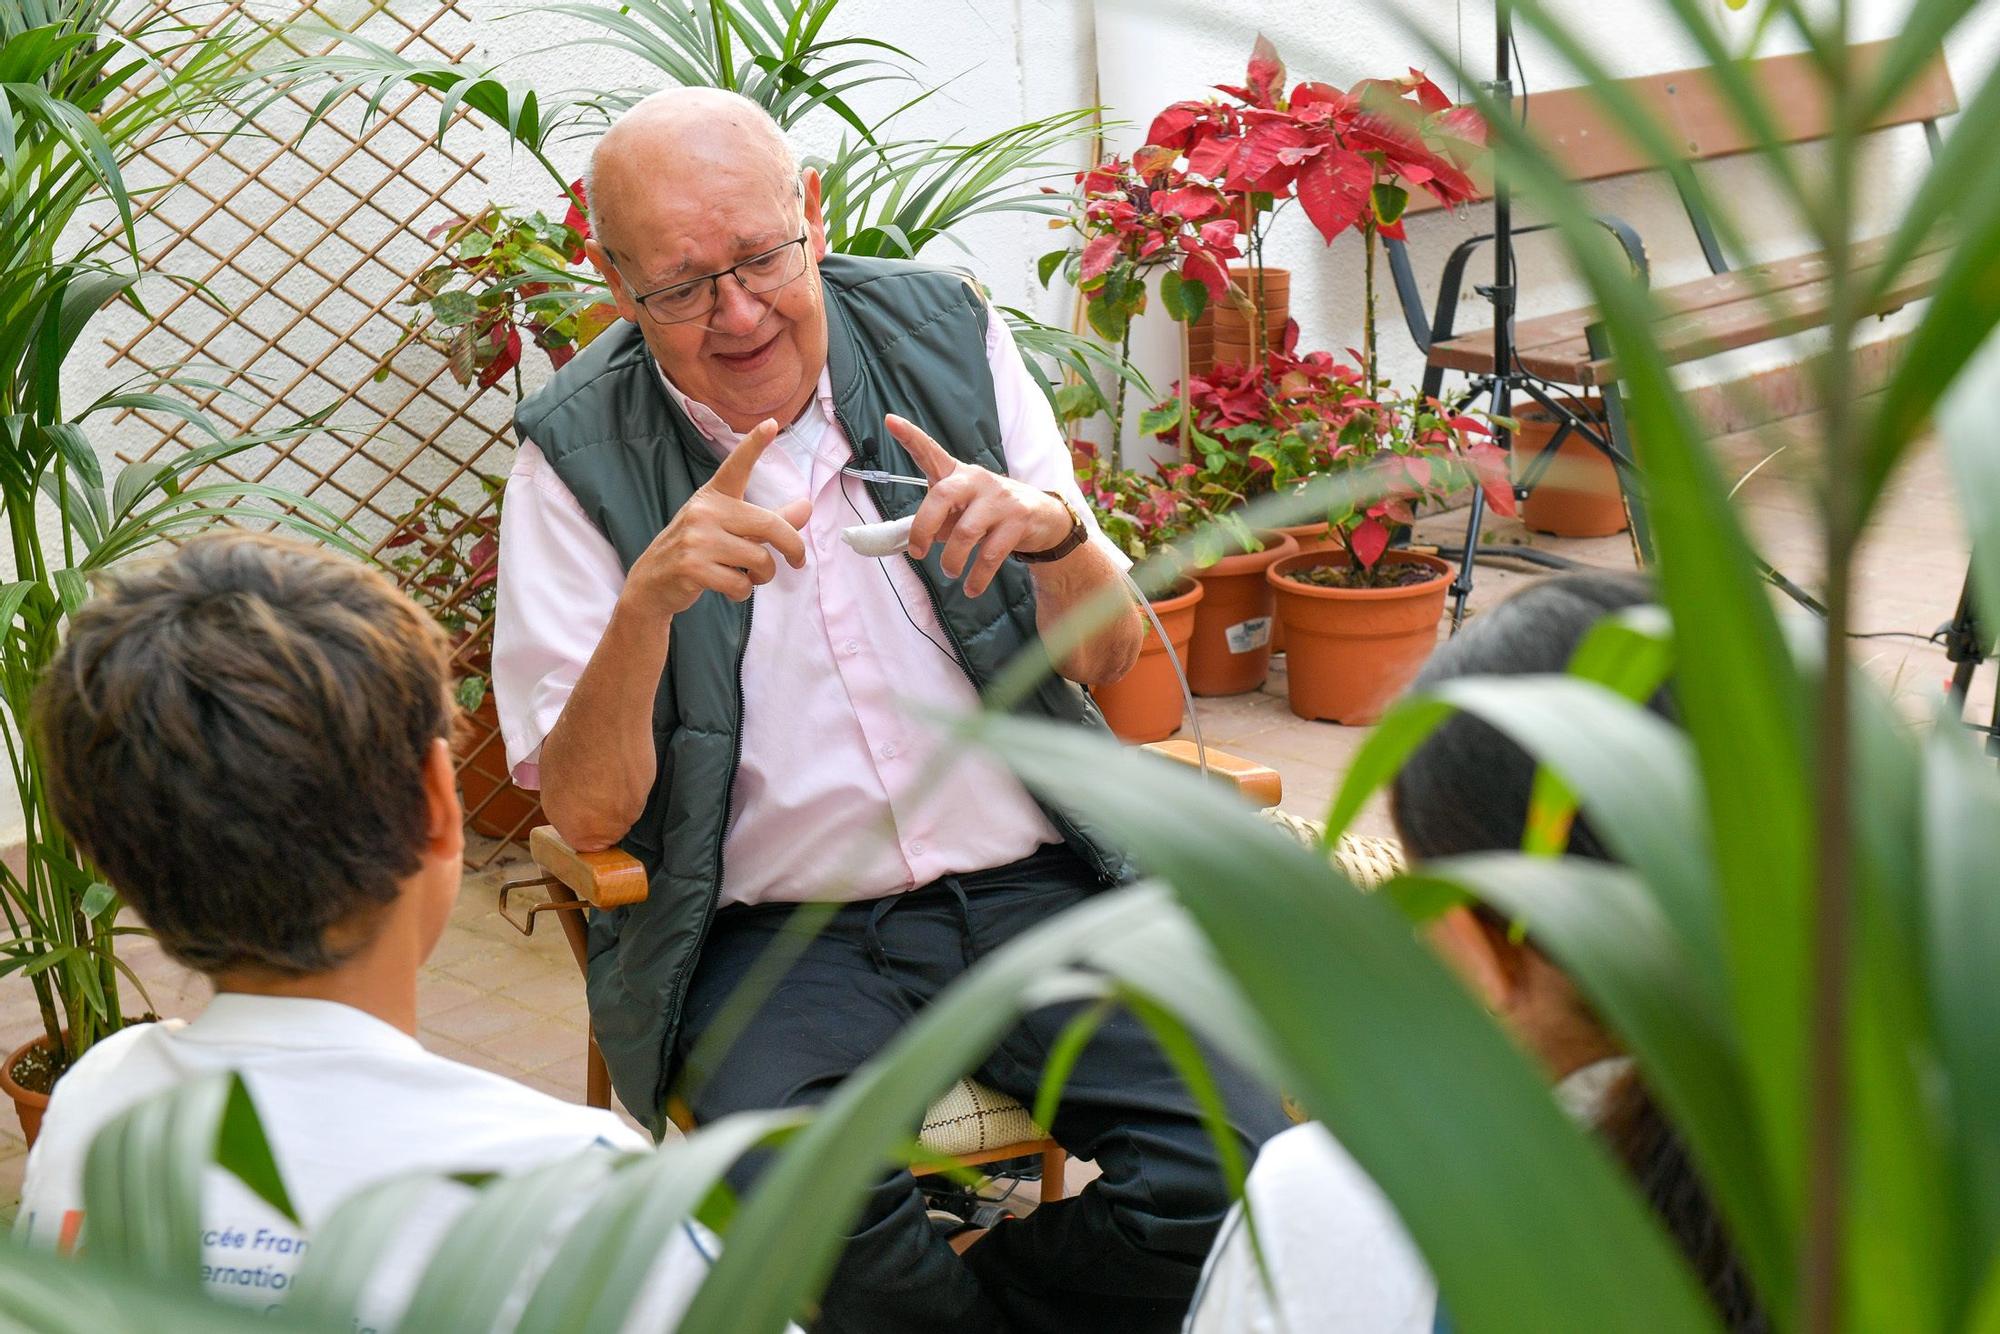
column 695, row 298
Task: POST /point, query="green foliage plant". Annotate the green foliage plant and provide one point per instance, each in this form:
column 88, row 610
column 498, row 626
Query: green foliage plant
column 78, row 97
column 1796, row 946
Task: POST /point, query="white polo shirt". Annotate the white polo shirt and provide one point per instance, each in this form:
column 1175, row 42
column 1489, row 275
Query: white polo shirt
column 346, row 1101
column 1335, row 1255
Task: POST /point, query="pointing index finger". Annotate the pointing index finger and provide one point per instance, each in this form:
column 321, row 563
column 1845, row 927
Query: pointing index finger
column 928, row 453
column 734, row 474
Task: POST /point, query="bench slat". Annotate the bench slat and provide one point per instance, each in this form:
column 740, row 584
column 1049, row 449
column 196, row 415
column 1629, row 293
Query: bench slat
column 1588, row 144
column 1705, row 316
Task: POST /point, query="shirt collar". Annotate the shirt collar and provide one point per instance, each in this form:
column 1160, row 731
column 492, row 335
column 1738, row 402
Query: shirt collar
column 718, row 432
column 293, row 1023
column 1584, row 1092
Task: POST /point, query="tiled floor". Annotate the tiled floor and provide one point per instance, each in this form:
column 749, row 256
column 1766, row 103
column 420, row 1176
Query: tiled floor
column 515, row 1005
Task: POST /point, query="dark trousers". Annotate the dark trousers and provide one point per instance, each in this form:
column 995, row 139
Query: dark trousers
column 1124, row 1254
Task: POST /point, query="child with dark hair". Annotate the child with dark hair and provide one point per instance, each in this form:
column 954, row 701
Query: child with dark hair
column 249, row 739
column 1336, row 1255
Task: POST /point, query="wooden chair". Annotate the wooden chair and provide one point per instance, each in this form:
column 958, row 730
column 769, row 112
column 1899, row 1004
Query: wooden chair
column 971, row 1124
column 1730, row 309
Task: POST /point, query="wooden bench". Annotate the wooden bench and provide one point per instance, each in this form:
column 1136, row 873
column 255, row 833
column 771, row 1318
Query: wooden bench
column 971, row 1124
column 1733, row 308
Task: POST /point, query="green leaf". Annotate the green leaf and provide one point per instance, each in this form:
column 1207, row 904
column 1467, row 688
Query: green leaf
column 1194, row 300
column 1046, row 266
column 1388, row 202
column 454, row 307
column 1107, row 318
column 1170, row 295
column 1160, row 418
column 1961, row 833
column 98, row 898
column 474, row 1272
column 1338, row 983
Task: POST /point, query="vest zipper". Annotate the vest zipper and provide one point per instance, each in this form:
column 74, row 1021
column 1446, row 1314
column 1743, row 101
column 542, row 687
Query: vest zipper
column 1064, row 825
column 686, row 977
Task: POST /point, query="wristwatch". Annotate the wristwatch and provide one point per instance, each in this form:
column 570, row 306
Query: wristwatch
column 1077, row 534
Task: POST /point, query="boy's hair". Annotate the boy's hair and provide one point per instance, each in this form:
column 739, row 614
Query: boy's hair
column 236, row 735
column 1467, row 788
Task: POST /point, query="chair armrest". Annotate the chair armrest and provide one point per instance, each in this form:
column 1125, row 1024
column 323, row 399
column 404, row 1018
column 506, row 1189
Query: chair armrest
column 1258, row 783
column 608, row 879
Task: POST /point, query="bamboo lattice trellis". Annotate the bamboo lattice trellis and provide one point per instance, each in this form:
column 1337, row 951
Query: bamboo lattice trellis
column 305, row 248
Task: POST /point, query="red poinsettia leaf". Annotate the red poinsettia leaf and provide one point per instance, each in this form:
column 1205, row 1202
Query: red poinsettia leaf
column 1219, row 235
column 1154, row 160
column 1266, row 74
column 1099, row 254
column 1333, row 190
column 1202, row 268
column 1256, row 165
column 1368, row 541
column 1289, row 342
column 1398, row 510
column 1463, row 124
column 510, row 356
column 559, row 356
column 1313, row 101
column 1394, row 231
column 1429, row 96
column 1489, row 461
column 1173, row 128
column 1153, row 241
column 1189, row 202
column 1210, row 158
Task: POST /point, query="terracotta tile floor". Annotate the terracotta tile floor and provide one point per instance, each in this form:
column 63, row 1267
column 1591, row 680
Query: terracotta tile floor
column 514, row 1005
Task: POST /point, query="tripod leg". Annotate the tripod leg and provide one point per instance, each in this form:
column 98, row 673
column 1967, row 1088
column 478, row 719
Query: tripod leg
column 1461, row 587
column 1629, row 481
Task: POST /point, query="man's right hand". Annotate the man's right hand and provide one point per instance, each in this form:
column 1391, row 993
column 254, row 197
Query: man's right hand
column 719, row 540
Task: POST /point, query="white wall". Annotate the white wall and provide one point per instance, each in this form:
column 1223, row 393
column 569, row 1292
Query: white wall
column 1004, row 61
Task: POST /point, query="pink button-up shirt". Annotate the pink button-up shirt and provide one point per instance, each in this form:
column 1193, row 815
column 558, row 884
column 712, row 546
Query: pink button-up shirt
column 842, row 791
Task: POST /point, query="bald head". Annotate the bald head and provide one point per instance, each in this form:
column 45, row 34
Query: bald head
column 682, row 141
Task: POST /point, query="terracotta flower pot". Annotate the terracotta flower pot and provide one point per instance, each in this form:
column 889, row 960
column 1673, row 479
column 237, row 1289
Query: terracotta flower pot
column 1271, row 289
column 28, row 1104
column 1310, row 537
column 1351, row 651
column 1578, row 496
column 493, row 805
column 1231, row 649
column 1145, row 704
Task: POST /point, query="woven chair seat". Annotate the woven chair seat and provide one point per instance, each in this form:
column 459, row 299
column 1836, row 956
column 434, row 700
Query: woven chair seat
column 1365, row 860
column 971, row 1118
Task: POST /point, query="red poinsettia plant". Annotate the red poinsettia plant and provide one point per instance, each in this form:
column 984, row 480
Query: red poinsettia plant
column 1140, row 512
column 505, row 280
column 1214, row 174
column 1275, row 427
column 1349, row 158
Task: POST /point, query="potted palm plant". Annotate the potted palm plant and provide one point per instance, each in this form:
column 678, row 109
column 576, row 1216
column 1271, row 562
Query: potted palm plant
column 81, row 101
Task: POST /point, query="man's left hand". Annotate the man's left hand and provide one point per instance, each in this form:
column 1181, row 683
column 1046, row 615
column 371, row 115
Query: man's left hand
column 969, row 506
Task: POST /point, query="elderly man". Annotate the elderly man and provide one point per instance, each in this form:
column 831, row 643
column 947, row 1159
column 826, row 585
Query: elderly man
column 690, row 663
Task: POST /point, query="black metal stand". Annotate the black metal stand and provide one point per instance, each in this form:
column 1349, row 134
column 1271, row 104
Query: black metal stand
column 1506, row 379
column 1966, row 646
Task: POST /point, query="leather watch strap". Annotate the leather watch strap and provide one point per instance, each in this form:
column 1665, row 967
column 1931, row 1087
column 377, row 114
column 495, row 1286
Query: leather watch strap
column 1077, row 534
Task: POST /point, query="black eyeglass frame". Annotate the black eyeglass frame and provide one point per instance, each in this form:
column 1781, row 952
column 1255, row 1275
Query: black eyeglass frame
column 714, row 281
